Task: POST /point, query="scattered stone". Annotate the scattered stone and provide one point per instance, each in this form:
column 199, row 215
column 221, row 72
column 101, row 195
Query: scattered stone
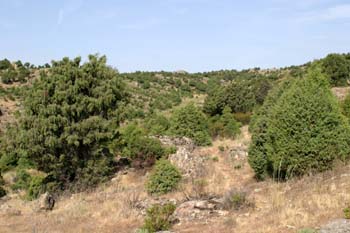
column 46, row 202
column 198, row 210
column 336, row 226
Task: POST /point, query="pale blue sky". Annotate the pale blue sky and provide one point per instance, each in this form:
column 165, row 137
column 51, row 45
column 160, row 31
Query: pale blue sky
column 194, row 35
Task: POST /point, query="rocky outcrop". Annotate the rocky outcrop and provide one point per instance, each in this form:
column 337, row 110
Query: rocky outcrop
column 198, row 209
column 190, row 164
column 336, row 226
column 239, row 152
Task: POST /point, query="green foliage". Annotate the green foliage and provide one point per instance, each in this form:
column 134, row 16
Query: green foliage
column 345, row 106
column 189, row 121
column 215, row 101
column 136, row 145
column 158, row 218
column 302, row 132
column 241, row 96
column 5, row 64
column 33, row 185
column 164, row 178
column 70, row 117
column 22, row 180
column 346, row 212
column 36, row 187
column 2, row 182
column 235, row 200
column 224, row 125
column 157, row 124
column 8, row 76
column 337, row 69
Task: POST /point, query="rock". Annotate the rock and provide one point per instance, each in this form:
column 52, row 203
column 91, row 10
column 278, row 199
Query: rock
column 197, row 210
column 183, row 142
column 190, row 164
column 239, row 152
column 336, row 226
column 204, row 205
column 46, row 202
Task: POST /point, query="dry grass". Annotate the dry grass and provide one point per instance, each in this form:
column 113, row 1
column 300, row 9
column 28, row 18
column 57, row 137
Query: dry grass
column 279, row 207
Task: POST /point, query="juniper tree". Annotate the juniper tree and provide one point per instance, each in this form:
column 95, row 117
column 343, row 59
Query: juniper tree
column 71, row 114
column 304, row 131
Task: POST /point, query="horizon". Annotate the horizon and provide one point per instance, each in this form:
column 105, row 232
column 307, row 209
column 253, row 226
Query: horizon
column 170, row 35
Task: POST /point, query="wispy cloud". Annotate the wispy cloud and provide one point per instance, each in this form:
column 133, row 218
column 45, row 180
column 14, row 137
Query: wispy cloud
column 69, row 7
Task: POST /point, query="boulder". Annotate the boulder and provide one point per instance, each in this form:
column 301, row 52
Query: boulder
column 46, row 202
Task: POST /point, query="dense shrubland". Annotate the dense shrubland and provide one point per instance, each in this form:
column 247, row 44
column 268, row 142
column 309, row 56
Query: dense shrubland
column 76, row 120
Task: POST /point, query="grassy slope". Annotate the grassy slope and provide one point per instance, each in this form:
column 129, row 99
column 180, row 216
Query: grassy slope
column 279, row 207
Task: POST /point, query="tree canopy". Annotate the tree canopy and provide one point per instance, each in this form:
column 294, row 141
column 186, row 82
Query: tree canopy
column 302, row 131
column 70, row 117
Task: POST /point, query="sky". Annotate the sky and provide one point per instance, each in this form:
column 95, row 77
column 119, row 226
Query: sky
column 191, row 35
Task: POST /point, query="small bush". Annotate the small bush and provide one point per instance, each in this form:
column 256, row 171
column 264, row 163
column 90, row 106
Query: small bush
column 164, row 178
column 170, row 150
column 221, row 148
column 157, row 124
column 158, row 217
column 190, row 121
column 215, row 159
column 36, row 187
column 347, row 213
column 22, row 180
column 235, row 200
column 2, row 192
column 136, row 145
column 224, row 125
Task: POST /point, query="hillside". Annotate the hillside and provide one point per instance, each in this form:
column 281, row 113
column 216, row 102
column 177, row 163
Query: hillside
column 87, row 149
column 117, row 205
